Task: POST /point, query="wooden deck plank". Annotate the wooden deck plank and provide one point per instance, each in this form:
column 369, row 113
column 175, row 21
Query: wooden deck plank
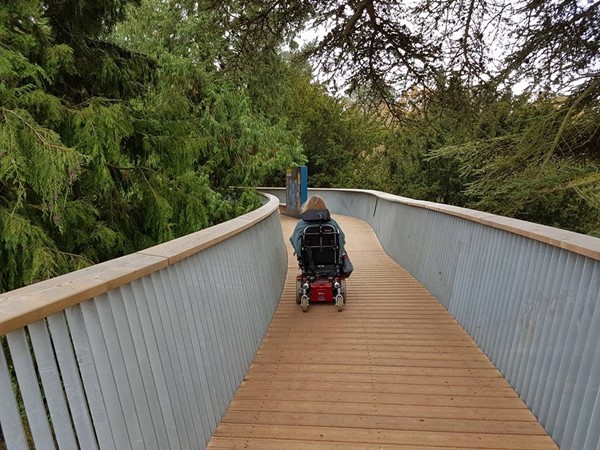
column 403, row 353
column 399, row 437
column 377, row 409
column 342, row 377
column 382, row 398
column 384, row 388
column 392, row 371
column 373, row 342
column 368, row 421
column 350, row 334
column 403, row 361
column 325, row 336
column 357, row 346
column 276, row 444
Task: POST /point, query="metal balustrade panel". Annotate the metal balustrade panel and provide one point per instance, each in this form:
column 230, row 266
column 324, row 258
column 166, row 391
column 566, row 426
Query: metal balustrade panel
column 235, row 332
column 209, row 339
column 199, row 370
column 570, row 360
column 490, row 326
column 12, row 427
column 247, row 313
column 214, row 309
column 471, row 301
column 150, row 369
column 181, row 345
column 569, row 297
column 588, row 334
column 52, row 385
column 536, row 324
column 457, row 302
column 549, row 333
column 585, row 396
column 530, row 331
column 114, row 311
column 112, row 379
column 71, row 380
column 165, row 368
column 108, row 438
column 497, row 323
column 176, row 352
column 227, row 312
column 33, row 402
column 518, row 303
column 448, row 272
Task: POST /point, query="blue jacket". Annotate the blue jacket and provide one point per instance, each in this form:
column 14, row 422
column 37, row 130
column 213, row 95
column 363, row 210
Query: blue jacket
column 296, row 238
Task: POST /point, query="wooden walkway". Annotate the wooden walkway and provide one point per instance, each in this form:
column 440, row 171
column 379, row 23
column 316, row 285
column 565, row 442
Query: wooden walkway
column 392, row 371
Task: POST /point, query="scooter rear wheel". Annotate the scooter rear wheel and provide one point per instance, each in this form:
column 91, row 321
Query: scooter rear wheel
column 339, row 302
column 304, row 303
column 298, row 291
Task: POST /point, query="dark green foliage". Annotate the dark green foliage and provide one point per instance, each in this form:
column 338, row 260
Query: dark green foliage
column 545, row 168
column 37, row 169
column 124, row 123
column 444, row 70
column 536, row 160
column 106, row 150
column 339, row 139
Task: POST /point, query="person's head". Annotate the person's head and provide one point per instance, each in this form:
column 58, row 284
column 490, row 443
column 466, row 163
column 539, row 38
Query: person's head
column 314, row 202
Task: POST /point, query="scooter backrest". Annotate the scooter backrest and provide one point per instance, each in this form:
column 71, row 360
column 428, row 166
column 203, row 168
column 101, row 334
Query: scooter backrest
column 316, row 215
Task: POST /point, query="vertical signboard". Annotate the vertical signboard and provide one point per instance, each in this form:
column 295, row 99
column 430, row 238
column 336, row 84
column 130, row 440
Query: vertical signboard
column 296, row 187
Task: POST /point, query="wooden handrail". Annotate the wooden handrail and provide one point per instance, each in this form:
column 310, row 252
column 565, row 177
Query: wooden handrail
column 34, row 302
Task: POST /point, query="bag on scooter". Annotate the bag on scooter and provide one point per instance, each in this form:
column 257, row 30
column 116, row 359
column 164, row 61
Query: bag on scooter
column 347, row 266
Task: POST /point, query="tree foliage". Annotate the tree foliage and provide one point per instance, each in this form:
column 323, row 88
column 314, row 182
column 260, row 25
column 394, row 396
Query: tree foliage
column 107, row 149
column 557, row 43
column 394, row 47
column 543, row 166
column 506, row 154
column 337, row 137
column 445, row 71
column 124, row 123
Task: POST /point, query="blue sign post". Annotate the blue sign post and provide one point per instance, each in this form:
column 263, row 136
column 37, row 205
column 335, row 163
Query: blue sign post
column 296, row 188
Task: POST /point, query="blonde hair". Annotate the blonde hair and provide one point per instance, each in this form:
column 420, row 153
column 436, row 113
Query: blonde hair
column 314, row 202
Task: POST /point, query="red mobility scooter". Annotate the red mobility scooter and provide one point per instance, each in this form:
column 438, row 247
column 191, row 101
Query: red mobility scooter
column 321, row 279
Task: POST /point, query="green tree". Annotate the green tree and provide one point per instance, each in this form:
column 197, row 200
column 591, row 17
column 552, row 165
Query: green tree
column 337, row 136
column 108, row 149
column 544, row 166
column 37, row 167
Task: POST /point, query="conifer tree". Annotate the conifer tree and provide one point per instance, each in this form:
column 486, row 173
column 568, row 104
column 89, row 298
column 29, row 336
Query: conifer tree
column 106, row 149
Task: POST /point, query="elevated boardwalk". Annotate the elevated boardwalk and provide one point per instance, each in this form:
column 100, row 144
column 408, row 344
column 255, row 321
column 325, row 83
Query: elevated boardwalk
column 393, row 370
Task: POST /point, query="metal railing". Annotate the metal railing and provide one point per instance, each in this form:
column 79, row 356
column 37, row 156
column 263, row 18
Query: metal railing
column 528, row 294
column 145, row 351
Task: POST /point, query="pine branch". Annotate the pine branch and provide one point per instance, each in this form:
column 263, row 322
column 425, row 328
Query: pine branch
column 132, row 168
column 565, row 122
column 37, row 133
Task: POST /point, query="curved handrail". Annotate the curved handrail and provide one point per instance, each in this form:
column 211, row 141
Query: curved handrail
column 568, row 240
column 34, row 302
